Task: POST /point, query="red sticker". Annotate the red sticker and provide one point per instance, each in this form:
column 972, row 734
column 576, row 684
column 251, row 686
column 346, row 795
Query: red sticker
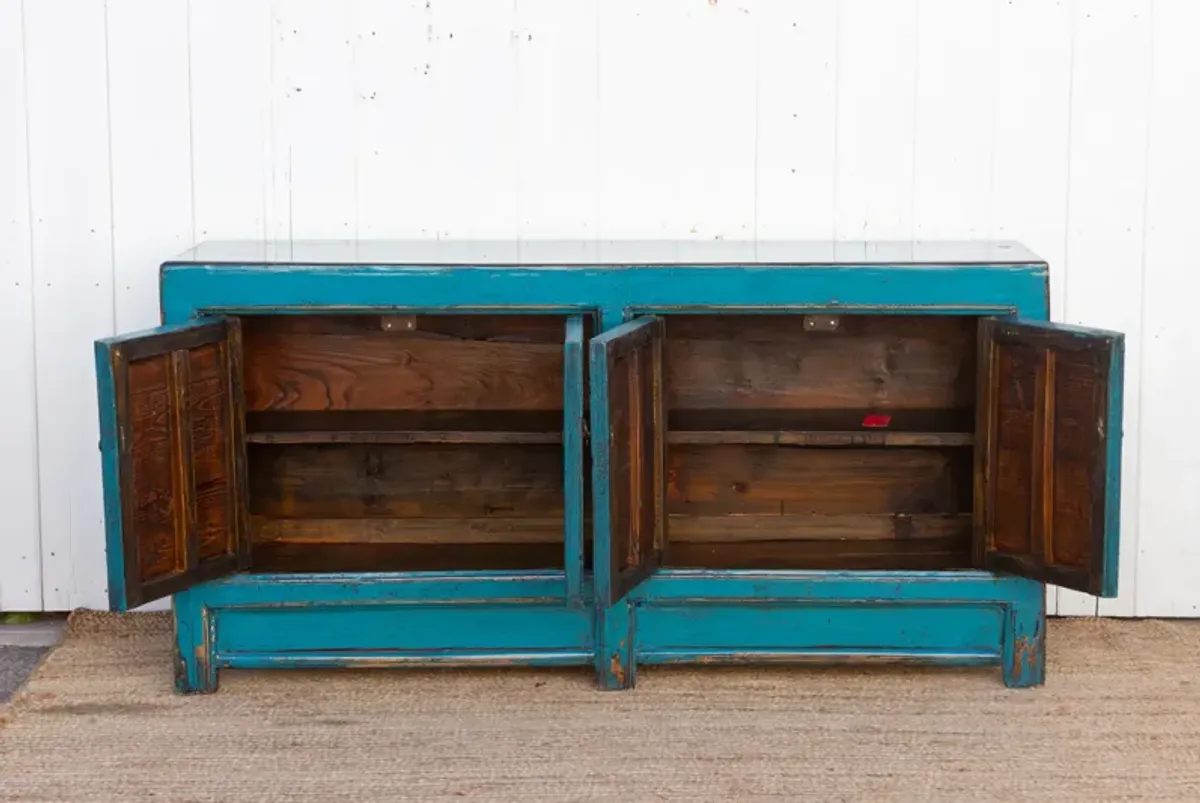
column 876, row 420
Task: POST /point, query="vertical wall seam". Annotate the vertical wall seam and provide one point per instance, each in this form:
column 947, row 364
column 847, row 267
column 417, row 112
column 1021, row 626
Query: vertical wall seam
column 916, row 84
column 37, row 424
column 516, row 57
column 1134, row 550
column 112, row 252
column 187, row 46
column 1066, row 265
column 757, row 118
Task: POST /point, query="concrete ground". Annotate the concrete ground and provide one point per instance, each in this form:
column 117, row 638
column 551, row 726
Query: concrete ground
column 22, row 647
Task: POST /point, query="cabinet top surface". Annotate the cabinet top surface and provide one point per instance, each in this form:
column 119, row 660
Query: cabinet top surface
column 607, row 253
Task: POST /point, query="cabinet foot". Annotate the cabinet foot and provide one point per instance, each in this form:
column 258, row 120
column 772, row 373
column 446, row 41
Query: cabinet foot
column 1024, row 654
column 615, row 667
column 195, row 672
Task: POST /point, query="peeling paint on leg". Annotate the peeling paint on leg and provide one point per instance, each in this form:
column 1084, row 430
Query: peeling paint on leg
column 618, row 670
column 1024, row 656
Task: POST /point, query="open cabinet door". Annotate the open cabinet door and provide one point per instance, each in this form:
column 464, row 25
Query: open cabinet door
column 629, row 456
column 173, row 450
column 1048, row 471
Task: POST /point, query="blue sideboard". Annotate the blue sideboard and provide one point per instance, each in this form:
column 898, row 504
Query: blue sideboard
column 608, row 454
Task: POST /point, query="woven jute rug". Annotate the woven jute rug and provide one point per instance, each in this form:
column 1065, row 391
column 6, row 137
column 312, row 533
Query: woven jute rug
column 1119, row 719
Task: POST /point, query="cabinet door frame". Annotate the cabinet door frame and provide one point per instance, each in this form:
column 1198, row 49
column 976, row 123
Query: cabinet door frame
column 126, row 532
column 628, row 418
column 1049, row 430
column 575, row 463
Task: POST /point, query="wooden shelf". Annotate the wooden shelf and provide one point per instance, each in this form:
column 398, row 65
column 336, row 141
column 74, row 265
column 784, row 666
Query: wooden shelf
column 401, row 427
column 819, row 438
column 824, row 428
column 403, row 436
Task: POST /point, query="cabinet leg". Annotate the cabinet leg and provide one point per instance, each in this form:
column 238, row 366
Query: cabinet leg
column 1024, row 654
column 195, row 672
column 614, row 647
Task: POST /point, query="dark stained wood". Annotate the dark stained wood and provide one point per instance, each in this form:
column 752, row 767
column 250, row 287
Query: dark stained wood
column 1041, row 512
column 407, row 426
column 437, row 480
column 637, row 456
column 209, row 411
column 774, row 479
column 820, row 527
column 477, row 436
column 896, row 555
column 388, row 557
column 823, row 427
column 184, row 482
column 1014, row 459
column 445, row 363
column 898, row 362
column 1075, row 454
column 409, row 531
column 819, row 438
column 180, row 454
column 499, row 328
column 622, row 489
column 151, row 516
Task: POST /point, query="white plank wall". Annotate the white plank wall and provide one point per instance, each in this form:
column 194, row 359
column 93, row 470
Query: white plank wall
column 130, row 129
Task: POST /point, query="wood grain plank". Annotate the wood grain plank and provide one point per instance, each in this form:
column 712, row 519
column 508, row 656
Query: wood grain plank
column 406, row 426
column 772, row 479
column 773, row 362
column 409, row 531
column 893, row 555
column 152, row 479
column 208, row 399
column 830, row 439
column 1076, row 452
column 435, row 480
column 386, row 371
column 819, row 527
column 290, row 557
column 1013, row 458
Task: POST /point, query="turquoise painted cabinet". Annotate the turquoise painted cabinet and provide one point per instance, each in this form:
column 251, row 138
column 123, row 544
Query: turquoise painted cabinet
column 608, row 454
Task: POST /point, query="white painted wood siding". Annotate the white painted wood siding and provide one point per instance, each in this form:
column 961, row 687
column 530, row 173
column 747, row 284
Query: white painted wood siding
column 133, row 128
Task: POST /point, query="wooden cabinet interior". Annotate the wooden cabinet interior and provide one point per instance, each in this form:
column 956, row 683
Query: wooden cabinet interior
column 435, row 445
column 770, row 465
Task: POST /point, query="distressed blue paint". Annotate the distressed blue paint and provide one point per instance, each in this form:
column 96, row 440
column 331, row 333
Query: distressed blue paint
column 1112, row 481
column 110, row 463
column 407, row 629
column 386, row 588
column 675, row 586
column 601, row 451
column 824, row 656
column 119, row 596
column 613, row 657
column 813, row 625
column 195, row 669
column 615, row 665
column 191, row 289
column 1023, row 650
column 573, row 458
column 496, row 618
column 392, row 659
